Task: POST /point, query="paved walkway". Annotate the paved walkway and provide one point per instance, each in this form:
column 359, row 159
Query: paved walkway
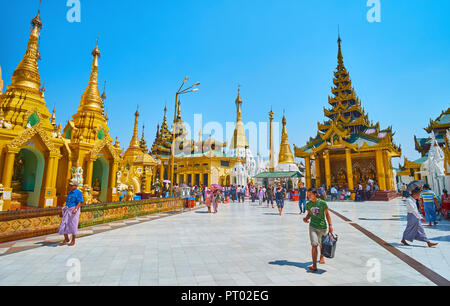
column 244, row 244
column 388, row 221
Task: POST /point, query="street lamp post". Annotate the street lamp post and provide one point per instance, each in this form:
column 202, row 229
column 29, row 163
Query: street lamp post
column 180, row 92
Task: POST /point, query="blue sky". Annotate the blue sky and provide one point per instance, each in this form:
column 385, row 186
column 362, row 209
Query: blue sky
column 283, row 53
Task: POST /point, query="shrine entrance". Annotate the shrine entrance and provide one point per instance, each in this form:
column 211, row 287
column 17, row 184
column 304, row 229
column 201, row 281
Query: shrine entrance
column 29, row 167
column 100, row 175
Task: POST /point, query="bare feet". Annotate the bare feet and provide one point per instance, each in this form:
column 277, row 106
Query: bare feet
column 63, row 243
column 431, row 244
column 72, row 243
column 322, row 260
column 435, row 223
column 404, row 242
column 312, row 268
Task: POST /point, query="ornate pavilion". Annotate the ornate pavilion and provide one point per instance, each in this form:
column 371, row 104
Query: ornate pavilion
column 348, row 149
column 420, row 169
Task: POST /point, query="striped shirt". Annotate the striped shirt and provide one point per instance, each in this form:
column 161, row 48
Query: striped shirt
column 428, row 196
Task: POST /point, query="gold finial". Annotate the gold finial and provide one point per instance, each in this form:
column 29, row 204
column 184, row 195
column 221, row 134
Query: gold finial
column 271, row 113
column 53, row 120
column 43, row 90
column 340, row 57
column 104, row 93
column 239, row 99
column 96, row 51
column 37, row 20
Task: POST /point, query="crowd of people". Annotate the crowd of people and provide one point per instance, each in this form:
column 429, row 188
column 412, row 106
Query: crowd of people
column 422, row 206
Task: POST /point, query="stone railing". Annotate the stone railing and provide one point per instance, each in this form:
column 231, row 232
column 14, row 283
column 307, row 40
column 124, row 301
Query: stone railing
column 15, row 225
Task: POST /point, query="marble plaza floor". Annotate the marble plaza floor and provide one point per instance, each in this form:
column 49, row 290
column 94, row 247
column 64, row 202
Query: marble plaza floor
column 245, row 244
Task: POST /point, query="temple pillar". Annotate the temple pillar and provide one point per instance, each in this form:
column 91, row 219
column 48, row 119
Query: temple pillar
column 348, row 159
column 380, row 170
column 62, row 190
column 48, row 198
column 318, row 179
column 416, row 176
column 389, row 171
column 327, row 168
column 308, row 172
column 89, row 169
column 112, row 194
column 161, row 172
column 8, row 170
column 155, row 172
column 201, row 179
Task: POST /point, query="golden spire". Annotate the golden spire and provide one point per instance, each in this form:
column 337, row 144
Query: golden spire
column 135, row 139
column 143, row 143
column 53, row 120
column 239, row 105
column 239, row 140
column 104, row 93
column 340, row 56
column 91, row 97
column 26, row 76
column 285, row 156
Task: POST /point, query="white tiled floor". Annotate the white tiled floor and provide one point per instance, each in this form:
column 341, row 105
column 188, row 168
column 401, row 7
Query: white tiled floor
column 244, row 244
column 388, row 221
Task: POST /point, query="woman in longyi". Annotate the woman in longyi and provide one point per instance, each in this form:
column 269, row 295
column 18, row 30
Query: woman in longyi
column 71, row 214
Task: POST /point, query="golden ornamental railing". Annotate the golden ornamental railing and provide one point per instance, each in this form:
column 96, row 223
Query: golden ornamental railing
column 15, row 225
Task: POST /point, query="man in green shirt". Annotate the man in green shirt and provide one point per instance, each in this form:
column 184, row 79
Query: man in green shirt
column 317, row 211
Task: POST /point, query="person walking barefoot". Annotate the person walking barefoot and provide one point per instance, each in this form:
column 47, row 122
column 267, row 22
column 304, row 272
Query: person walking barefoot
column 71, row 214
column 279, row 197
column 317, row 212
column 414, row 229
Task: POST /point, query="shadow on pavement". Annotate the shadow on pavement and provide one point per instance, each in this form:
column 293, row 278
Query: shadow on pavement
column 401, row 246
column 441, row 238
column 48, row 244
column 301, row 265
column 389, row 219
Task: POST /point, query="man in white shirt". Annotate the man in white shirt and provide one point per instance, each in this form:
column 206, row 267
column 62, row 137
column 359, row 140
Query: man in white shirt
column 334, row 193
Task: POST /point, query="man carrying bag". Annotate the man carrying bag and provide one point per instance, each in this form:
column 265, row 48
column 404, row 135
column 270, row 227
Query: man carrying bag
column 317, row 211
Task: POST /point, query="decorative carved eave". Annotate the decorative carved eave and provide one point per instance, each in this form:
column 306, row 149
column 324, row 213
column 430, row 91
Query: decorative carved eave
column 334, row 129
column 341, row 144
column 105, row 144
column 434, row 124
column 411, row 165
column 299, row 153
column 17, row 143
